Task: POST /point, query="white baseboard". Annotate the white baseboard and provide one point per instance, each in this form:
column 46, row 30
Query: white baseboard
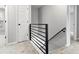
column 16, row 42
column 67, row 45
column 12, row 43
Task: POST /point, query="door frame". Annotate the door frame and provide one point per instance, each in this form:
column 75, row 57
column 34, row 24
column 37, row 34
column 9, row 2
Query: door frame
column 6, row 25
column 67, row 28
column 68, row 34
column 75, row 23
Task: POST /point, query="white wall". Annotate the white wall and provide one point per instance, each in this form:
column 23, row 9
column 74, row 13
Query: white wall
column 54, row 16
column 11, row 16
column 34, row 14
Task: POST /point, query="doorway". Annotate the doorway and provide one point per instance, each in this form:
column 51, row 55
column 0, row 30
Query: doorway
column 2, row 27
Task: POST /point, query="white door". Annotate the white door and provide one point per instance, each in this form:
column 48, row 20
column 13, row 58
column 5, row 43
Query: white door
column 2, row 27
column 22, row 22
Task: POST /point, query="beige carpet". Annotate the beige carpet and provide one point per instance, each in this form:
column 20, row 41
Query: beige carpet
column 19, row 48
column 26, row 47
column 72, row 49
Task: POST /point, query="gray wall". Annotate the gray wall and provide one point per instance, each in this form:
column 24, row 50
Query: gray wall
column 54, row 16
column 78, row 21
column 34, row 14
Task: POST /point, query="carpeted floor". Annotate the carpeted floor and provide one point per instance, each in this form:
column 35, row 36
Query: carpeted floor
column 19, row 48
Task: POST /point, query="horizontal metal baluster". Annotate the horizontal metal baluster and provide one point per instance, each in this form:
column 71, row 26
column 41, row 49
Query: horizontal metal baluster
column 38, row 34
column 39, row 47
column 38, row 40
column 38, row 44
column 38, row 37
column 38, row 30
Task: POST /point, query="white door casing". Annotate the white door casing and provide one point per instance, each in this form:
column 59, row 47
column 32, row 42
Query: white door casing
column 67, row 29
column 3, row 28
column 71, row 24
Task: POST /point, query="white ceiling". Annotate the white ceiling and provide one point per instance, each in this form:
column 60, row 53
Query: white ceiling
column 37, row 6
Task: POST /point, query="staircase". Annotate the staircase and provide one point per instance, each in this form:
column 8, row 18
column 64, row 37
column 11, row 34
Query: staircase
column 58, row 41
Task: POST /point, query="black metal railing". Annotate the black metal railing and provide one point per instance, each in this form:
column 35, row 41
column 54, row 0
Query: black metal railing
column 39, row 36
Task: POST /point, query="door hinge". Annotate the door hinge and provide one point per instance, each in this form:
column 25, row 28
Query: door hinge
column 5, row 21
column 5, row 37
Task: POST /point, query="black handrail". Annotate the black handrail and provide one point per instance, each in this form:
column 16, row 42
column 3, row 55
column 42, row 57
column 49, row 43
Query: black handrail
column 58, row 33
column 41, row 41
